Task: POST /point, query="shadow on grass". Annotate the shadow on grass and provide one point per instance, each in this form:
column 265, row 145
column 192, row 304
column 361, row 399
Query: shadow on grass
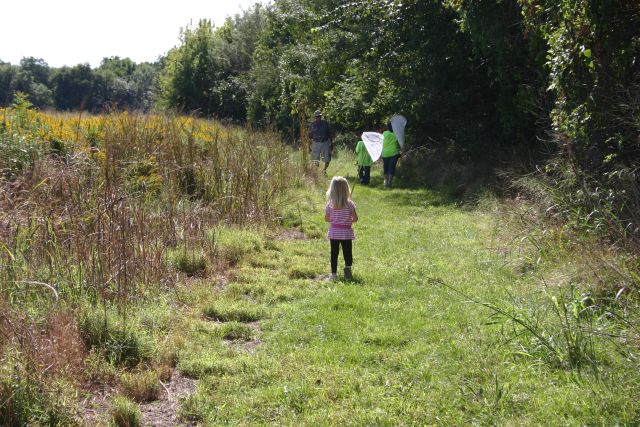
column 418, row 198
column 355, row 281
column 405, row 194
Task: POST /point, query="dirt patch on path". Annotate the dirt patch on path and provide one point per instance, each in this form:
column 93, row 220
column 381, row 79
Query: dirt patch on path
column 163, row 412
column 160, row 413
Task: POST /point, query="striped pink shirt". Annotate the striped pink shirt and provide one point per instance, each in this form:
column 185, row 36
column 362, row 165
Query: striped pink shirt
column 341, row 220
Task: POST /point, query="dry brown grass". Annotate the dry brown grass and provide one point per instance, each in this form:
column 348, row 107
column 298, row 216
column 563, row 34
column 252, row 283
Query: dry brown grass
column 50, row 346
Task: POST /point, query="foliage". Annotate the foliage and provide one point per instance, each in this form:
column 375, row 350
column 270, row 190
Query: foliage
column 92, row 208
column 129, row 170
column 73, row 87
column 92, row 211
column 594, row 75
column 118, row 83
column 207, row 73
column 18, row 149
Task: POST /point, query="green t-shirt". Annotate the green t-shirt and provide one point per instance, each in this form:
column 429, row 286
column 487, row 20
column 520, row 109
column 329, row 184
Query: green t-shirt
column 364, row 159
column 390, row 145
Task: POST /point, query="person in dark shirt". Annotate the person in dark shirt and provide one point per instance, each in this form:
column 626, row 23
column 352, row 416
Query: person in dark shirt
column 320, row 134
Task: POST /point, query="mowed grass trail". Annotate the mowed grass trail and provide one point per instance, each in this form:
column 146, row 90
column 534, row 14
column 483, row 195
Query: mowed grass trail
column 398, row 345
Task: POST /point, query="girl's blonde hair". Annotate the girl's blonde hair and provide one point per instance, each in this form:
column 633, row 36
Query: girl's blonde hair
column 339, row 193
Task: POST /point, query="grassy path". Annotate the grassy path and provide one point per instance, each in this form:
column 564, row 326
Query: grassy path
column 395, row 347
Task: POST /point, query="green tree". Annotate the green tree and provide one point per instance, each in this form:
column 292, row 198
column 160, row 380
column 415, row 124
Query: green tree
column 37, row 68
column 32, row 78
column 191, row 70
column 363, row 61
column 209, row 71
column 120, row 67
column 284, row 79
column 73, row 87
column 7, row 75
column 594, row 72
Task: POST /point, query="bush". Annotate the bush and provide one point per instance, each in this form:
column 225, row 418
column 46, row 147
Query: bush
column 17, row 152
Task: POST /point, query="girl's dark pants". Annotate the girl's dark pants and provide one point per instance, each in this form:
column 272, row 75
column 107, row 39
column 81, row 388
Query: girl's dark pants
column 389, row 164
column 364, row 173
column 335, row 251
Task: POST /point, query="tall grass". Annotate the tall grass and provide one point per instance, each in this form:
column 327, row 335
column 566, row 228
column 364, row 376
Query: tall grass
column 97, row 215
column 94, row 208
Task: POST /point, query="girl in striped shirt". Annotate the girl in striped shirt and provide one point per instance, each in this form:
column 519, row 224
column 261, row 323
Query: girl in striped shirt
column 340, row 212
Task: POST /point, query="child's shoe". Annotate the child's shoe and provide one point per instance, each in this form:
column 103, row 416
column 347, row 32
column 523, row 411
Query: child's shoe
column 332, row 278
column 347, row 273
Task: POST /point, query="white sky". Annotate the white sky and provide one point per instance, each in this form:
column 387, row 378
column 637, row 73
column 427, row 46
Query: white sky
column 71, row 32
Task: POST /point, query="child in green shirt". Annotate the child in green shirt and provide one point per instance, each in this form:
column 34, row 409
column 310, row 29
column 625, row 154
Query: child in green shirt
column 364, row 163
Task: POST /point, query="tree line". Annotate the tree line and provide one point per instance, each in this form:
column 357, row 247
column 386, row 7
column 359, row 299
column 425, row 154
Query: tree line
column 552, row 79
column 116, row 83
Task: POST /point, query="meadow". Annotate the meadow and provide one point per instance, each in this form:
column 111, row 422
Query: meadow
column 139, row 250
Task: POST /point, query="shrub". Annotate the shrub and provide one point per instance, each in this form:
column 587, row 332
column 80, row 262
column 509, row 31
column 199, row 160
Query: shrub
column 125, row 413
column 565, row 339
column 17, row 152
